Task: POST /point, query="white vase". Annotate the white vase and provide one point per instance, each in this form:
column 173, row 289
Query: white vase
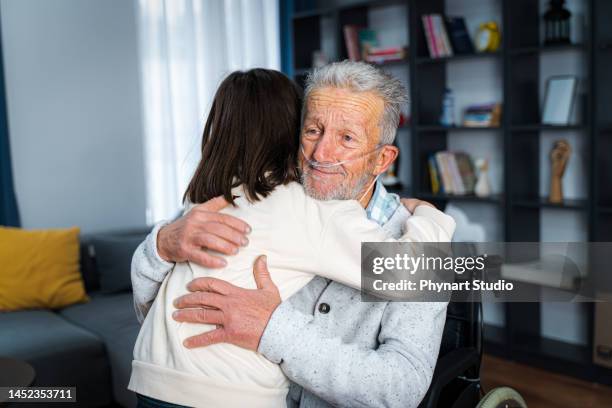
column 483, row 185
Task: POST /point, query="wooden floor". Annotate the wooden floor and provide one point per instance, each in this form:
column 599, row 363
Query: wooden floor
column 542, row 389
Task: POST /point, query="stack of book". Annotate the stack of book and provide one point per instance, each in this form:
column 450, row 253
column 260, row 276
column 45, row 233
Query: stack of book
column 377, row 55
column 488, row 115
column 362, row 44
column 446, row 36
column 452, row 173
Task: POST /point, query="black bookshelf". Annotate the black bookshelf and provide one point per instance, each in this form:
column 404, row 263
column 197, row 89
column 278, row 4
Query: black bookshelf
column 461, row 57
column 437, row 128
column 542, row 202
column 519, row 204
column 539, row 49
column 493, row 198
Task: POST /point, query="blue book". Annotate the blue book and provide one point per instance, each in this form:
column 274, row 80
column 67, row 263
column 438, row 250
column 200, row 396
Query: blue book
column 458, row 34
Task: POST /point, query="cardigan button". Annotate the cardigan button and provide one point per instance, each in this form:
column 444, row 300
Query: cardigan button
column 324, row 308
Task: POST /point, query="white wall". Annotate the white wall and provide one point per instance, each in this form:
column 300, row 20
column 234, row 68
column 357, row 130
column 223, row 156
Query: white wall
column 72, row 78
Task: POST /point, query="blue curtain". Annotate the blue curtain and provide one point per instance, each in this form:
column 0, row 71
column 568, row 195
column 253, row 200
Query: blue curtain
column 9, row 214
column 285, row 13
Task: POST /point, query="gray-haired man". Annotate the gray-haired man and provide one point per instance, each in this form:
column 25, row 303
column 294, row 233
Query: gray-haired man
column 334, row 348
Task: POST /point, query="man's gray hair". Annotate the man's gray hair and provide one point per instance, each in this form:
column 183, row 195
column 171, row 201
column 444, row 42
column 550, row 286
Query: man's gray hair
column 363, row 77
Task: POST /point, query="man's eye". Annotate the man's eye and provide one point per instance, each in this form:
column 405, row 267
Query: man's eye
column 312, row 131
column 347, row 138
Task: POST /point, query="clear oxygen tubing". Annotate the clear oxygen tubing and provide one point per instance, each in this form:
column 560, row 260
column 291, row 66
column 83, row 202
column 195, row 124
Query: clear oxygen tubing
column 314, row 163
column 368, row 189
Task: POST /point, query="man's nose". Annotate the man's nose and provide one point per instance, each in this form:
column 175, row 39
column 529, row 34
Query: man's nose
column 324, row 150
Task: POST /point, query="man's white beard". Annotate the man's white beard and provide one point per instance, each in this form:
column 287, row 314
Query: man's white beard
column 343, row 191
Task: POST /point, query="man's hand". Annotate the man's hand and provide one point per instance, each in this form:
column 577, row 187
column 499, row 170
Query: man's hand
column 241, row 315
column 412, row 203
column 202, row 227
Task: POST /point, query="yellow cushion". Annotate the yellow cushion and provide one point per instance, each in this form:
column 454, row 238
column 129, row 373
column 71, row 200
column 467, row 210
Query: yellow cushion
column 39, row 269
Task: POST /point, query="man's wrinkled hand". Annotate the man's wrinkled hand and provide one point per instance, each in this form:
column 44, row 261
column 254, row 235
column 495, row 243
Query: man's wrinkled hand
column 412, row 203
column 203, row 228
column 241, row 315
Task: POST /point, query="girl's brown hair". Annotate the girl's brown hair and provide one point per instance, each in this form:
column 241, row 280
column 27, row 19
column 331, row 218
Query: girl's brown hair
column 251, row 137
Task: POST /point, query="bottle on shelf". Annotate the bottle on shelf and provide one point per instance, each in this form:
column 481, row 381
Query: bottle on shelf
column 447, row 118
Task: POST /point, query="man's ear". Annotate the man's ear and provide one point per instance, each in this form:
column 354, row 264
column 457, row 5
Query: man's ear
column 386, row 156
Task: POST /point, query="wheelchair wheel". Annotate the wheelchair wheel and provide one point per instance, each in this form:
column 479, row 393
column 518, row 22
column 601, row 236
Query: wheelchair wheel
column 502, row 397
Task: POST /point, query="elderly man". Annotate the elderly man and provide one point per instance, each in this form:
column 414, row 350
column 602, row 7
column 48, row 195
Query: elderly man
column 336, row 349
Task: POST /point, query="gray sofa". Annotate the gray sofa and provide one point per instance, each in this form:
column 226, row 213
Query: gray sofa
column 87, row 345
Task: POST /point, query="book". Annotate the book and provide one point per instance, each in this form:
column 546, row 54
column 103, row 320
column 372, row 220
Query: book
column 482, row 115
column 458, row 187
column 459, row 36
column 451, row 173
column 367, row 39
column 385, row 51
column 433, row 175
column 351, row 40
column 382, row 55
column 445, row 175
column 466, row 170
column 437, row 36
column 440, row 30
column 429, row 36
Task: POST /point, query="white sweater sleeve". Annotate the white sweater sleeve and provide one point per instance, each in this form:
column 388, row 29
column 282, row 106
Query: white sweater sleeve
column 339, row 251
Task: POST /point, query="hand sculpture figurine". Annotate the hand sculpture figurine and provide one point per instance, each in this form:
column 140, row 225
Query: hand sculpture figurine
column 559, row 156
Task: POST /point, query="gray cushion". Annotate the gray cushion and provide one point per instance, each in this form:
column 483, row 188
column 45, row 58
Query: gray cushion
column 113, row 255
column 112, row 318
column 61, row 353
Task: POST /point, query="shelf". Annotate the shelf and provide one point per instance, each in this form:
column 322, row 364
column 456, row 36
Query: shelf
column 312, row 13
column 407, row 192
column 547, row 49
column 494, row 198
column 605, row 129
column 569, row 359
column 539, row 127
column 301, row 71
column 371, row 3
column 438, row 128
column 402, row 62
column 605, row 46
column 328, row 10
column 461, row 57
column 542, row 202
column 560, row 351
column 404, row 192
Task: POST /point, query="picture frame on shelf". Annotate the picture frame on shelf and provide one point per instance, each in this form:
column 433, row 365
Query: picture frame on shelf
column 559, row 100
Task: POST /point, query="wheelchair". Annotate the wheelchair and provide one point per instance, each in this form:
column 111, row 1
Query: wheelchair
column 456, row 378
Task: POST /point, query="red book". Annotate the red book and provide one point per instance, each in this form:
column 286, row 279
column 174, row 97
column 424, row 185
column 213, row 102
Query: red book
column 385, row 51
column 430, row 35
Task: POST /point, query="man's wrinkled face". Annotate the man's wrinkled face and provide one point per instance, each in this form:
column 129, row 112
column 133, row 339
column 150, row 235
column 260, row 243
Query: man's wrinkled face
column 340, row 125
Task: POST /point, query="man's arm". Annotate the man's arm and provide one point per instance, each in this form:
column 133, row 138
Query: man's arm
column 396, row 374
column 184, row 240
column 148, row 272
